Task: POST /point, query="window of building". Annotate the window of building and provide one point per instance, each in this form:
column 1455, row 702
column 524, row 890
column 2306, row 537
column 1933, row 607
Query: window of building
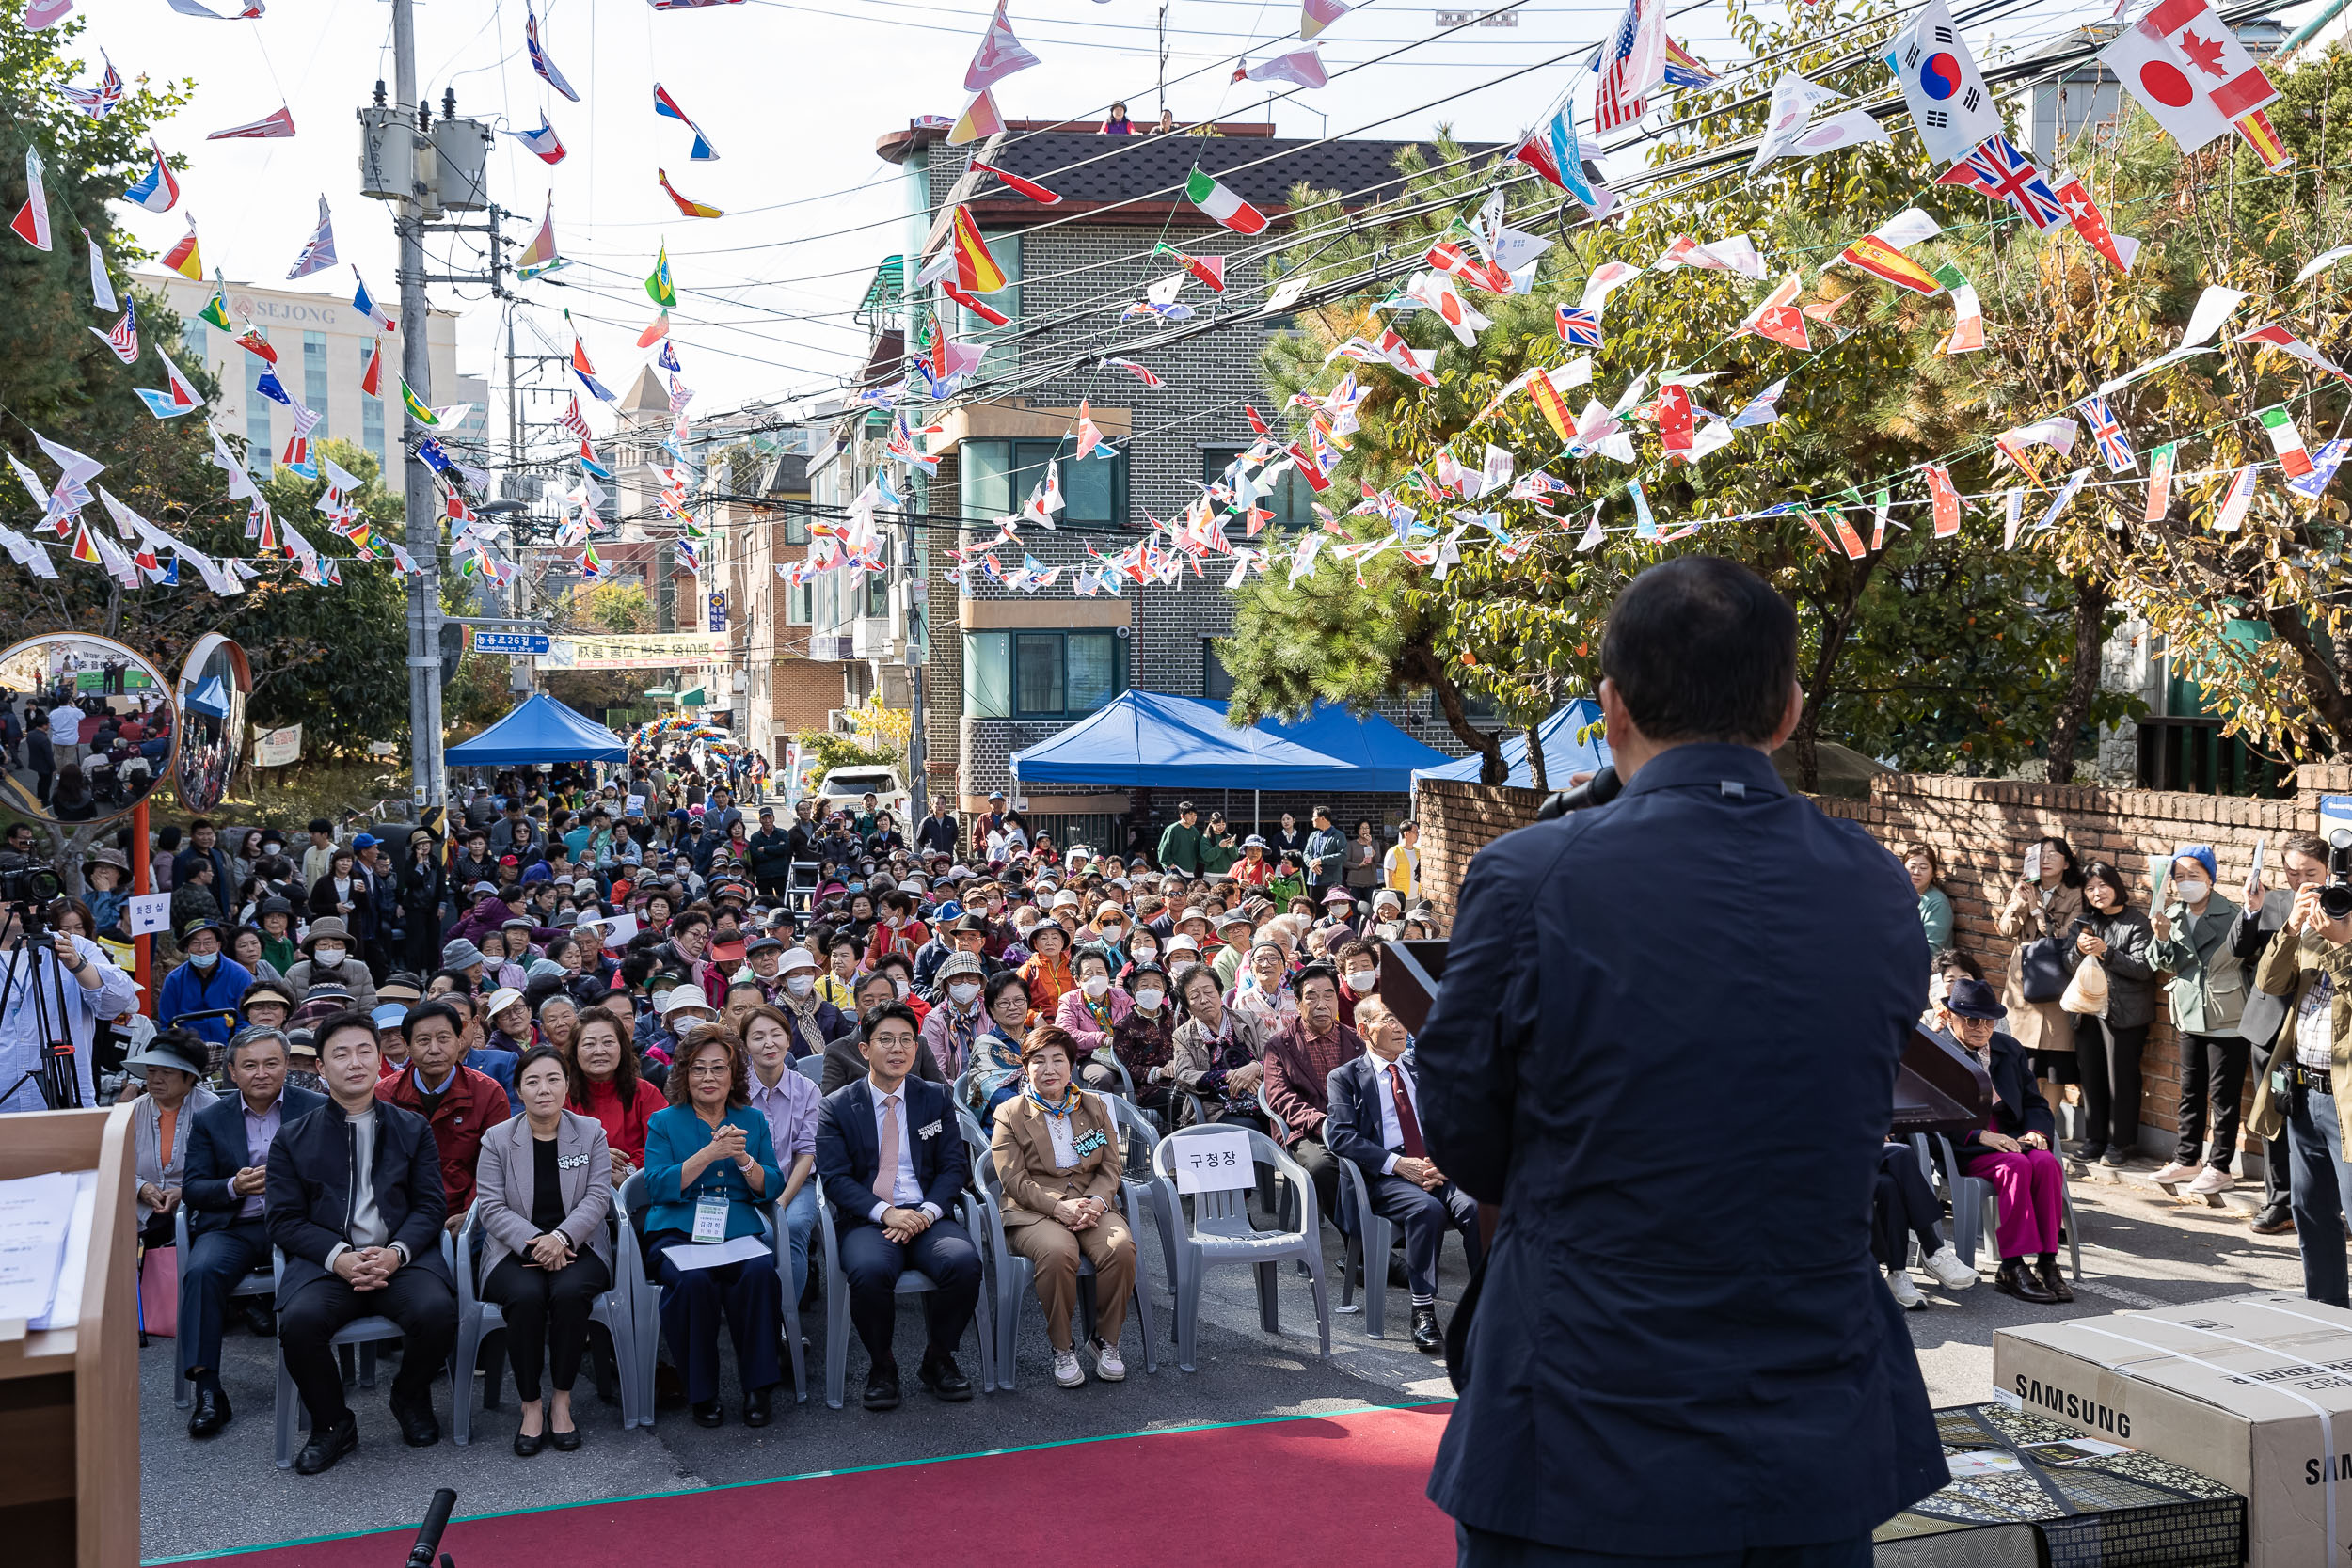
column 259, row 456
column 372, row 433
column 999, row 475
column 314, row 380
column 795, row 528
column 1042, row 675
column 1292, row 500
column 1004, row 353
column 799, row 604
column 1217, row 682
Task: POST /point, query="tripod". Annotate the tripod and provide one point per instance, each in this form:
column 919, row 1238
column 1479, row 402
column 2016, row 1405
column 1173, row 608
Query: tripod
column 54, row 1075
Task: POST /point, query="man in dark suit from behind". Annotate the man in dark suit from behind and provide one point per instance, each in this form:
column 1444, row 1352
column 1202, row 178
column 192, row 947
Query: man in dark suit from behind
column 892, row 1161
column 228, row 1234
column 1680, row 1360
column 2303, row 863
column 354, row 1202
column 1375, row 1120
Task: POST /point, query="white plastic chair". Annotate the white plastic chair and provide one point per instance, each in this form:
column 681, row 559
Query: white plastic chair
column 258, row 1283
column 1015, row 1275
column 478, row 1318
column 1220, row 1231
column 1973, row 1194
column 359, row 1330
column 911, row 1283
column 1140, row 1186
column 1367, row 1244
column 810, row 1067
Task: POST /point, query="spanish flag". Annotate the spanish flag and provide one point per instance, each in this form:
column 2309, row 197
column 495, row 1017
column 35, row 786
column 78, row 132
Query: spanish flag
column 1881, row 260
column 1555, row 408
column 85, row 548
column 977, row 272
column 183, row 258
column 691, row 208
column 2259, row 136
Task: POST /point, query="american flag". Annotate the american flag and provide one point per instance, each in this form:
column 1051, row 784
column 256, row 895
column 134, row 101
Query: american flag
column 124, row 339
column 1998, row 169
column 1579, row 328
column 2113, row 444
column 573, row 421
column 1630, row 63
column 1139, row 371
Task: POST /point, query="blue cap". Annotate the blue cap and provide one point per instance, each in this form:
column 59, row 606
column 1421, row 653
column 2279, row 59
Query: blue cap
column 388, row 1014
column 2200, row 853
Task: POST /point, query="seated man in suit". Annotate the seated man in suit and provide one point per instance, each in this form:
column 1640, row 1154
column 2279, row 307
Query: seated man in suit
column 845, row 1053
column 228, row 1158
column 892, row 1161
column 1374, row 1121
column 354, row 1200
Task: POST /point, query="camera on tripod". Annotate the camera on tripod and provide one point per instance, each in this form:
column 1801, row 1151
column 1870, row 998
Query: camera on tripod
column 2335, row 899
column 32, row 889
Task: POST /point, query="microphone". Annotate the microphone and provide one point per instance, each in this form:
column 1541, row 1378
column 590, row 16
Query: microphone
column 1598, row 790
column 435, row 1521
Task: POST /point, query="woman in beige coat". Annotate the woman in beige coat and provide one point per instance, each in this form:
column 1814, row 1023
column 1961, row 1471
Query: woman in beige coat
column 2037, row 906
column 1056, row 1154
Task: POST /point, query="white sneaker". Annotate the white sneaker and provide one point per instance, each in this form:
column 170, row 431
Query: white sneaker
column 1949, row 1271
column 1906, row 1295
column 1066, row 1368
column 2174, row 1172
column 1107, row 1366
column 2211, row 1180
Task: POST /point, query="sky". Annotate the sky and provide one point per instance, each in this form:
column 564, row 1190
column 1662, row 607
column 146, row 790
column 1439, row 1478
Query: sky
column 794, row 97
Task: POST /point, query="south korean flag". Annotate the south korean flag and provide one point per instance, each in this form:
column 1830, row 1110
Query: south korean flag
column 1948, row 100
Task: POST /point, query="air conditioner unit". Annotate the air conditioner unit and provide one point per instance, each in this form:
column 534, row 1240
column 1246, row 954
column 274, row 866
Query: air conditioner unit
column 829, row 647
column 870, row 638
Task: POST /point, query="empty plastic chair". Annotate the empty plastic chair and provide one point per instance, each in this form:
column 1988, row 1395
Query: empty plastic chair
column 1220, row 1231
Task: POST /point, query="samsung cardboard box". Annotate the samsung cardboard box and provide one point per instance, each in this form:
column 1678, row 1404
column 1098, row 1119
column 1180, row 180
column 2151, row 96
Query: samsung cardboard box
column 2252, row 1390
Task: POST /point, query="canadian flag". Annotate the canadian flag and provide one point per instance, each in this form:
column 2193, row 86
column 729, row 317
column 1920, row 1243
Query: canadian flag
column 2189, row 70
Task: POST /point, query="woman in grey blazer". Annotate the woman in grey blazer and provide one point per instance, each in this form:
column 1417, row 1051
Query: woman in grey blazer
column 543, row 1190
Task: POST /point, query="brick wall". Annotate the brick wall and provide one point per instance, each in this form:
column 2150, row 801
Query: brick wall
column 1980, row 829
column 800, row 692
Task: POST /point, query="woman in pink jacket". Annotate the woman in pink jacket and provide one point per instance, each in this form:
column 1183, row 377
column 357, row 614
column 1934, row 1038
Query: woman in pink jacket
column 1095, row 1008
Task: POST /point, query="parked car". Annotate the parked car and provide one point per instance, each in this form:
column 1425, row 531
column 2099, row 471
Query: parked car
column 848, row 786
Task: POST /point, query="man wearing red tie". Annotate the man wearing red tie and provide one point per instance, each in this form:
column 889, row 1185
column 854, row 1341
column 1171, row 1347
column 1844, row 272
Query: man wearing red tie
column 1375, row 1120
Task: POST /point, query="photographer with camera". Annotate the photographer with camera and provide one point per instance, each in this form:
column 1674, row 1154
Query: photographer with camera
column 2310, row 963
column 54, row 989
column 1682, row 1349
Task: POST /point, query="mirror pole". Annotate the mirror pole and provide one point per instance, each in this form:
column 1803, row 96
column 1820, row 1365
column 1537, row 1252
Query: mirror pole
column 142, row 878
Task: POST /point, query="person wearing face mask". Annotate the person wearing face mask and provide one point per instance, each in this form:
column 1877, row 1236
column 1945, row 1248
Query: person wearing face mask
column 1144, row 949
column 326, row 956
column 2264, row 913
column 1110, row 928
column 959, row 1017
column 813, row 1020
column 897, row 931
column 2206, row 996
column 209, row 982
column 1359, row 963
column 1144, row 1042
column 901, row 975
column 1093, row 1010
column 2109, row 1045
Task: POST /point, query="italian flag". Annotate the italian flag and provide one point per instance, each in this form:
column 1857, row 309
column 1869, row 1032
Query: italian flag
column 1223, row 205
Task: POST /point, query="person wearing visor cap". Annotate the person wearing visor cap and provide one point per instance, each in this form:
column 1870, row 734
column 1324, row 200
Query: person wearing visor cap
column 2012, row 1149
column 173, row 1066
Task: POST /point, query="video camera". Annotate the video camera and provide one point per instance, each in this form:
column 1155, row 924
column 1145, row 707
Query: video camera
column 32, row 889
column 2335, row 899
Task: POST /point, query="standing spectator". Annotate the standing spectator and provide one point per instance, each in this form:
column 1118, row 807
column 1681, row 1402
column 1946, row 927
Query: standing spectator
column 1180, row 845
column 319, row 857
column 768, row 858
column 2107, row 1046
column 2309, row 964
column 1324, row 853
column 1290, row 839
column 2207, row 994
column 2045, row 904
column 2265, row 1023
column 65, row 734
column 354, row 1202
column 1361, row 864
column 421, row 891
column 937, row 834
column 1936, row 907
column 40, row 757
column 1400, row 869
column 326, row 956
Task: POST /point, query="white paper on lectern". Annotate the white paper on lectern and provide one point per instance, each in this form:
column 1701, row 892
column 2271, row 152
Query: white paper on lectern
column 65, row 1305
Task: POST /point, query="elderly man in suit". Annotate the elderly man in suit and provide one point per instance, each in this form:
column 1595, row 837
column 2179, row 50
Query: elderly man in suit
column 1683, row 1360
column 1375, row 1120
column 228, row 1239
column 353, row 1199
column 2261, row 918
column 892, row 1162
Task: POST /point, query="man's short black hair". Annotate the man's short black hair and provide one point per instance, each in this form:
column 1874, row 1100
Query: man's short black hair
column 1184, row 806
column 435, row 1008
column 1700, row 648
column 874, row 1018
column 335, row 1023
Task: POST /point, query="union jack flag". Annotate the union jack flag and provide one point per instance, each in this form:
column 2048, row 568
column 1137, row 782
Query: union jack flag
column 1139, row 371
column 573, row 421
column 1579, row 328
column 1998, row 169
column 95, row 101
column 124, row 339
column 2113, row 444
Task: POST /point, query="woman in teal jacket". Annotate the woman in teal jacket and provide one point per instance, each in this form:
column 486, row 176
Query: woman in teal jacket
column 709, row 1147
column 1935, row 910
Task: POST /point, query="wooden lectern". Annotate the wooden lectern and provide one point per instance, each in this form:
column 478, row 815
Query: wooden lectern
column 69, row 1395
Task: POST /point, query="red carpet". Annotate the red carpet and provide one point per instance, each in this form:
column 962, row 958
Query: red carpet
column 1345, row 1488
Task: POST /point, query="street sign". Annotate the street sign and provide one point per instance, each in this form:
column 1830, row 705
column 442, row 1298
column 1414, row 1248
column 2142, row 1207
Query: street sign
column 510, row 642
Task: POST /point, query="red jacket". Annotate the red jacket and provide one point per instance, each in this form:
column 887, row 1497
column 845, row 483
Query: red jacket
column 471, row 1105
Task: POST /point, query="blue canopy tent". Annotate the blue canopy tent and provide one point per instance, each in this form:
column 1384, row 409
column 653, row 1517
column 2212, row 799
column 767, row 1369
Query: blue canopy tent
column 1564, row 756
column 1384, row 758
column 542, row 730
column 1151, row 739
column 210, row 696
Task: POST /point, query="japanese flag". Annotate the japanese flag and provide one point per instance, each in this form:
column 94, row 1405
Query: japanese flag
column 2189, row 70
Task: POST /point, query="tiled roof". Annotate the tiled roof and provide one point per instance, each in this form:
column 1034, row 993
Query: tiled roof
column 1148, row 167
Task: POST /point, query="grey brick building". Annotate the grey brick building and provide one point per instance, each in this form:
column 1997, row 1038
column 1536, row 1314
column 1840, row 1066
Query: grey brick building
column 1001, row 669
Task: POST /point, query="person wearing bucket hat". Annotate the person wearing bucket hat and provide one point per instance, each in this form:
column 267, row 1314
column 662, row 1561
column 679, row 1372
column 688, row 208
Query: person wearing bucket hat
column 2011, row 1150
column 107, row 874
column 203, row 993
column 326, row 956
column 174, row 1065
column 459, row 956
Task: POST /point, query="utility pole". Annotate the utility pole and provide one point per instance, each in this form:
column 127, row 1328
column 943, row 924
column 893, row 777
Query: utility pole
column 423, row 517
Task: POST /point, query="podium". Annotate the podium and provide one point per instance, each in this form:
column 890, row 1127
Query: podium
column 69, row 1395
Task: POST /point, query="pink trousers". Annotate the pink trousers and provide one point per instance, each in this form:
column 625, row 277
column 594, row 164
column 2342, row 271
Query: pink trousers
column 2029, row 1184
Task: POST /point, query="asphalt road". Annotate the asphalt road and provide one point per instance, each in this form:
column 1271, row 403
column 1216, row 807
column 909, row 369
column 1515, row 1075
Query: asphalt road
column 2141, row 1249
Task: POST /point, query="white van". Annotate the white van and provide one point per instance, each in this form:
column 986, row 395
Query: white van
column 847, row 788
